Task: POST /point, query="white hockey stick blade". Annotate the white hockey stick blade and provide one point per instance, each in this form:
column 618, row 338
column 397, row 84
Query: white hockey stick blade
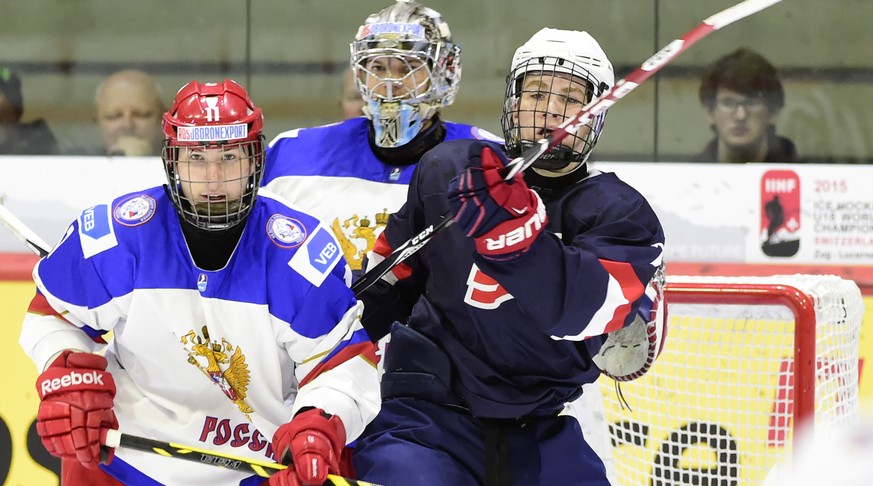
column 624, row 86
column 737, row 12
column 627, row 84
column 23, row 233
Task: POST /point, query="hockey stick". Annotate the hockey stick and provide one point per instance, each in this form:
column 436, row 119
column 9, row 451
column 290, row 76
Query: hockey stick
column 634, row 79
column 115, row 438
column 23, row 233
column 265, row 469
column 624, row 86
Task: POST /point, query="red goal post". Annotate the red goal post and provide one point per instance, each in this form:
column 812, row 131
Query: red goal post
column 747, row 360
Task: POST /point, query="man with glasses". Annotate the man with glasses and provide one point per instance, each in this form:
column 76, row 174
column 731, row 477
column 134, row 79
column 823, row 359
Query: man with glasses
column 742, row 97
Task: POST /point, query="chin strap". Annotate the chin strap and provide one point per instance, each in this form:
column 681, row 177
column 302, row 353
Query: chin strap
column 557, row 158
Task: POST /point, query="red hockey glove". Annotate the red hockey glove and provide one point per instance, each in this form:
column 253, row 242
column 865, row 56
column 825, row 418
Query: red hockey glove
column 312, row 442
column 503, row 217
column 76, row 394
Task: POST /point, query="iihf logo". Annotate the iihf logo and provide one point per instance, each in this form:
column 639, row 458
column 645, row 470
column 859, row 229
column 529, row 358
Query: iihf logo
column 395, row 174
column 201, row 282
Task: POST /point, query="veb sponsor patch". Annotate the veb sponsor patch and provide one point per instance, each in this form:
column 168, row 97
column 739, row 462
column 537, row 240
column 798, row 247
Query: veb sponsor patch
column 317, row 258
column 96, row 232
column 93, row 222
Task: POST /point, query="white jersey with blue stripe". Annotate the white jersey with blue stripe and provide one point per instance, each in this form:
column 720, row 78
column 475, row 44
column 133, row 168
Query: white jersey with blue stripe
column 331, row 172
column 212, row 359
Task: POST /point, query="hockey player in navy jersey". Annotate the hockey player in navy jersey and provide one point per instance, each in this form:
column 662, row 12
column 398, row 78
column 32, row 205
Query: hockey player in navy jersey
column 506, row 312
column 233, row 325
column 353, row 174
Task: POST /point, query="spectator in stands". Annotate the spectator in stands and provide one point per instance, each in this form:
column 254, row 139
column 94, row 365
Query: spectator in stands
column 351, row 103
column 129, row 105
column 742, row 96
column 17, row 138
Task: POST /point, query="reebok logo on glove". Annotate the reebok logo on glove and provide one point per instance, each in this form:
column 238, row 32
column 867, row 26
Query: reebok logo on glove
column 76, row 394
column 70, row 380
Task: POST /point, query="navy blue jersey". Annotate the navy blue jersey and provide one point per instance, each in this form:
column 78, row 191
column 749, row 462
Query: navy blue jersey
column 521, row 333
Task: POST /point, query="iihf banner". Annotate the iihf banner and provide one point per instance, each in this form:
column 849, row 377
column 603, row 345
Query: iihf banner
column 809, row 214
column 802, row 214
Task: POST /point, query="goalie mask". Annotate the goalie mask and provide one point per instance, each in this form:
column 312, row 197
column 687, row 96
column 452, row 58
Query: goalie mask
column 406, row 67
column 213, row 154
column 552, row 77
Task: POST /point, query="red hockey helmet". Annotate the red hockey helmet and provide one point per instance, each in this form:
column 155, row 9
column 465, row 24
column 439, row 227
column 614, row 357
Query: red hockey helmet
column 219, row 118
column 223, row 112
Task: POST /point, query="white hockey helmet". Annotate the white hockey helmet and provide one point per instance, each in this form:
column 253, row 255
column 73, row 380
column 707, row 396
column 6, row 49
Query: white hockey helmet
column 568, row 52
column 418, row 39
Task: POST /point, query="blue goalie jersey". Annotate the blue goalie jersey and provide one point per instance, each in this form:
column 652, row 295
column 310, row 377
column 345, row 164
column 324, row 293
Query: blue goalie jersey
column 332, row 173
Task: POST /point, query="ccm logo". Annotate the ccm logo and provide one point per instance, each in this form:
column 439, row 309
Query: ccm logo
column 520, row 233
column 72, row 379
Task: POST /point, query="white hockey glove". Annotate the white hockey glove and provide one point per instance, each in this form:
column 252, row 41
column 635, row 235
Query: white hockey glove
column 629, row 352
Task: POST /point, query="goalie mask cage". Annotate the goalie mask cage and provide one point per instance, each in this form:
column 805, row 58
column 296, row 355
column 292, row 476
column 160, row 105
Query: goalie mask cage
column 746, row 360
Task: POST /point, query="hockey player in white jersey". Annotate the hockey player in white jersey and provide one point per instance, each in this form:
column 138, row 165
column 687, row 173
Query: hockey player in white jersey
column 353, row 174
column 233, row 325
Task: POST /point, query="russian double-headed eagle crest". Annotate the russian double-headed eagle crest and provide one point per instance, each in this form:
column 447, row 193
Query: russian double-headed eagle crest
column 356, row 237
column 223, row 363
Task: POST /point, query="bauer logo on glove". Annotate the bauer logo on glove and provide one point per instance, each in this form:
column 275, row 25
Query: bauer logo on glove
column 504, row 217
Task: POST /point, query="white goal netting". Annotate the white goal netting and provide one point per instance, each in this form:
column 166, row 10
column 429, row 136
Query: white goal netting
column 746, row 360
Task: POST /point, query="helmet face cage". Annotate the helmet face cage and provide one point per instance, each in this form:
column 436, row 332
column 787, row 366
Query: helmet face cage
column 541, row 93
column 214, row 192
column 213, row 154
column 406, row 67
column 553, row 76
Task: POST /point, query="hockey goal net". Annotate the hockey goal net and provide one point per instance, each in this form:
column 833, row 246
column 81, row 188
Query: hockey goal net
column 747, row 360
